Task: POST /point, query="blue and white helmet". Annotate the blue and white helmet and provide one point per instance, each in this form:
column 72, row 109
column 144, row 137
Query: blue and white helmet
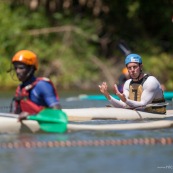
column 133, row 58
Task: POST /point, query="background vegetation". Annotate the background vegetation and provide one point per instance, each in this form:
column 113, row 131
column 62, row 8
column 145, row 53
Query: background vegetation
column 78, row 41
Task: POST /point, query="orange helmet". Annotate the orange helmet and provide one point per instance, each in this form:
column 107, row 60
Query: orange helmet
column 27, row 57
column 124, row 70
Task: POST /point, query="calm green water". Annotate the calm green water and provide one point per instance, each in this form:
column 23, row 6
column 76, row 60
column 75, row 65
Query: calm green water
column 102, row 159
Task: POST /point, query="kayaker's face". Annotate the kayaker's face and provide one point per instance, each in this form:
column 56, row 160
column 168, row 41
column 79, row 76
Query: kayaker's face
column 21, row 71
column 134, row 69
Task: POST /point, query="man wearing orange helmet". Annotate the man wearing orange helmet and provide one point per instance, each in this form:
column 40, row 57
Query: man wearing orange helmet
column 122, row 79
column 139, row 91
column 33, row 94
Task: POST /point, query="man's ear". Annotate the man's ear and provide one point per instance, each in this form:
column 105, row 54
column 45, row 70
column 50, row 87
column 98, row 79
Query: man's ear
column 141, row 66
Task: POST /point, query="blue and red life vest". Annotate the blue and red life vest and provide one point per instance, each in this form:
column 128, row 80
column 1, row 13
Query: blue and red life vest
column 22, row 100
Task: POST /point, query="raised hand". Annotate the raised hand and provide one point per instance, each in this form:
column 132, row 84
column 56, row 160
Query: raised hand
column 104, row 89
column 120, row 95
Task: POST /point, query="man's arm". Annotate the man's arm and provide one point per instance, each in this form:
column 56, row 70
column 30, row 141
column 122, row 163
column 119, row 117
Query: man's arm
column 48, row 94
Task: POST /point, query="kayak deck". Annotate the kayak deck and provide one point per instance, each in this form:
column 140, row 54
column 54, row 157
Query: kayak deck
column 87, row 114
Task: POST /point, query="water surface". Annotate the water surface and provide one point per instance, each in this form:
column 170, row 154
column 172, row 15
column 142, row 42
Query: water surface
column 88, row 159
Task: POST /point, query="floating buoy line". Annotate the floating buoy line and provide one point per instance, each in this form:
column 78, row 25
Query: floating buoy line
column 87, row 143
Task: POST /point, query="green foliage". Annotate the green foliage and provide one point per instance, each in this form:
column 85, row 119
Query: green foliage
column 5, row 78
column 14, row 23
column 159, row 65
column 65, row 40
column 71, row 50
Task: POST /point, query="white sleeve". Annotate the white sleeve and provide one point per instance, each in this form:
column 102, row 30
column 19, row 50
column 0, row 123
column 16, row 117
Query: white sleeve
column 118, row 103
column 150, row 88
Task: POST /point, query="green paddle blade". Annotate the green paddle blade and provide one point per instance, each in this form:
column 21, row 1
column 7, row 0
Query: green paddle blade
column 51, row 120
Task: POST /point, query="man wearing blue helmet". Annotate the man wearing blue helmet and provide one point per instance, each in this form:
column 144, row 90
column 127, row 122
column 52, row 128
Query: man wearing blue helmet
column 139, row 91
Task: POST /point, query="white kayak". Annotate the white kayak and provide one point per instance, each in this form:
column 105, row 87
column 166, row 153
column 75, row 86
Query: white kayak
column 87, row 114
column 9, row 123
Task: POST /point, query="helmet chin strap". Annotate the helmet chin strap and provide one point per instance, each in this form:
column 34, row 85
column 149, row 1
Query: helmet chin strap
column 139, row 75
column 30, row 72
